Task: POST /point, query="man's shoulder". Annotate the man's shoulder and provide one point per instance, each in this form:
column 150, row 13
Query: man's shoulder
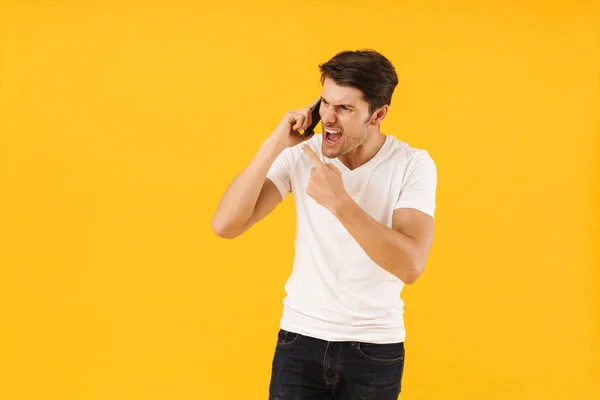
column 407, row 154
column 406, row 148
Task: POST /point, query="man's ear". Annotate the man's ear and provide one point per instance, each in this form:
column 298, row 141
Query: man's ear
column 379, row 115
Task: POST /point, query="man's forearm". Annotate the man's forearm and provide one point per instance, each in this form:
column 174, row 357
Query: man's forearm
column 238, row 201
column 388, row 248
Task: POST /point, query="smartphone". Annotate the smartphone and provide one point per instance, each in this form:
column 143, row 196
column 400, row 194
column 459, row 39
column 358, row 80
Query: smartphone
column 315, row 118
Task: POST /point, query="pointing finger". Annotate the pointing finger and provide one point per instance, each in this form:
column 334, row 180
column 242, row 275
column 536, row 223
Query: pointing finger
column 332, row 167
column 313, row 156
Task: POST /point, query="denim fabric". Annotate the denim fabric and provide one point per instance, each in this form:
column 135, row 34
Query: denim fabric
column 309, row 368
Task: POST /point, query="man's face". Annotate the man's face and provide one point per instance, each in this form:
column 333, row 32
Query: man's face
column 345, row 118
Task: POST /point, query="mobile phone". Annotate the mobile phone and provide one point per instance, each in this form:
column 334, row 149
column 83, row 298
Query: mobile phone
column 315, row 118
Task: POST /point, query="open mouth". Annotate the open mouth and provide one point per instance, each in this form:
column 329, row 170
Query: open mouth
column 332, row 136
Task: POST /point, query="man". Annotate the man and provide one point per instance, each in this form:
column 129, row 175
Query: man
column 365, row 203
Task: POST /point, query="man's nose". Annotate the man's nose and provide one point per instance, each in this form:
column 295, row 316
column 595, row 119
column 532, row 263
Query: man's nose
column 328, row 116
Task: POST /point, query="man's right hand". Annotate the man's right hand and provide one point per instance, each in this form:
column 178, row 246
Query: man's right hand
column 287, row 133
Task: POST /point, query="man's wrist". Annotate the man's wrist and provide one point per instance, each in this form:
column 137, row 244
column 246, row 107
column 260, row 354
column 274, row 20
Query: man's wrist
column 345, row 207
column 270, row 147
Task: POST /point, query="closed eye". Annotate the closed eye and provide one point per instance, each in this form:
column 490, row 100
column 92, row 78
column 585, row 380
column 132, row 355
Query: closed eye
column 344, row 107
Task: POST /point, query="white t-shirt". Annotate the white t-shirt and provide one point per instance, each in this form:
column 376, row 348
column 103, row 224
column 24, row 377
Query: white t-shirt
column 335, row 291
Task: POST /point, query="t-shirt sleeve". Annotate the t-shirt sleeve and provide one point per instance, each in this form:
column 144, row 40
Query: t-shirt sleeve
column 420, row 182
column 280, row 172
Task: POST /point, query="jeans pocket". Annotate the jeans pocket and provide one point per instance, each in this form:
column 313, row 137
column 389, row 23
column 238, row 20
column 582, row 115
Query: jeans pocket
column 389, row 353
column 287, row 338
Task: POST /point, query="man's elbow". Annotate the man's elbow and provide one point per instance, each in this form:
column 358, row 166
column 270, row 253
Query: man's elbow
column 223, row 230
column 412, row 274
column 409, row 279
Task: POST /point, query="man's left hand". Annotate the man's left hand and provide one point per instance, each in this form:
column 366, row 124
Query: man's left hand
column 325, row 185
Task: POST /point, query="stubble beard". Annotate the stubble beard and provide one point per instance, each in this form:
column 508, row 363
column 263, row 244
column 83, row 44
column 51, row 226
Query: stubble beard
column 349, row 142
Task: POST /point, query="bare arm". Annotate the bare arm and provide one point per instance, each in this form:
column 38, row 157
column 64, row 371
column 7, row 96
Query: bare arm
column 402, row 249
column 250, row 197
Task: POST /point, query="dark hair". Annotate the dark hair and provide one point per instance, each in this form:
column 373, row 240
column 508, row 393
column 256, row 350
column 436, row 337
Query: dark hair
column 366, row 70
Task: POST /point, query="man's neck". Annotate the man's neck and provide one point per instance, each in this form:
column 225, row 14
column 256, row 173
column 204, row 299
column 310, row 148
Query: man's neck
column 363, row 153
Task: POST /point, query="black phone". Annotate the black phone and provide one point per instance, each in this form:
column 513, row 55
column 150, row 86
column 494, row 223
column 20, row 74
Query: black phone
column 315, row 118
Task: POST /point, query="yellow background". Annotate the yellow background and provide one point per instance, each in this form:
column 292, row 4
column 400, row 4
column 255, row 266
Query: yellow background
column 123, row 122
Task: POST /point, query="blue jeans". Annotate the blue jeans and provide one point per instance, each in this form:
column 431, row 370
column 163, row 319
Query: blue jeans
column 308, row 368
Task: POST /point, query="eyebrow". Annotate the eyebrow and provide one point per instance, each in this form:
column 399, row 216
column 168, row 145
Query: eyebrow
column 338, row 105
